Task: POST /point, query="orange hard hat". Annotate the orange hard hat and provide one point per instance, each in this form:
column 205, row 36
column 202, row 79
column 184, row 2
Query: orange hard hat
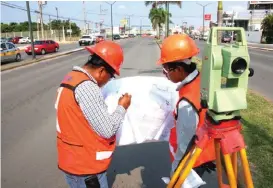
column 110, row 52
column 177, row 47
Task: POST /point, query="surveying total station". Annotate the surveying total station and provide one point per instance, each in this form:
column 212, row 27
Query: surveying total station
column 224, row 82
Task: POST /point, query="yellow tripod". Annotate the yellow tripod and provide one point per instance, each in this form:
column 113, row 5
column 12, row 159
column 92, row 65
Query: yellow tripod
column 229, row 141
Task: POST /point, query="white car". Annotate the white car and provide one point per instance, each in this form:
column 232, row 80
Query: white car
column 24, row 40
column 9, row 52
column 87, row 39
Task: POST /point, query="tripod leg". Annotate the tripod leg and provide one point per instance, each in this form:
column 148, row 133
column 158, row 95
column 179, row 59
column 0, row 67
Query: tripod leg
column 234, row 163
column 247, row 174
column 188, row 168
column 179, row 169
column 218, row 163
column 230, row 171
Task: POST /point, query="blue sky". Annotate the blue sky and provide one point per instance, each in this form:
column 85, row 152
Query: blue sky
column 190, row 11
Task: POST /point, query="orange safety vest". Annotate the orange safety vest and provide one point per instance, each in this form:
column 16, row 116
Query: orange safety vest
column 81, row 151
column 191, row 93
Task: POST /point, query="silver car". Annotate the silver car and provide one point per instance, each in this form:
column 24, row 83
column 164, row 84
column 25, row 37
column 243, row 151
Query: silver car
column 9, row 52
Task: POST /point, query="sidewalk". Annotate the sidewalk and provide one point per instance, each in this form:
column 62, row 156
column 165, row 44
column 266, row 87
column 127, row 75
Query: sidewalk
column 261, row 46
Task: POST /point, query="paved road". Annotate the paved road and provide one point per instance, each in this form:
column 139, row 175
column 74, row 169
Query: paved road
column 28, row 125
column 262, row 63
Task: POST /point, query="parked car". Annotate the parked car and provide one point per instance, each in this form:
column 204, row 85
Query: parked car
column 87, row 40
column 99, row 39
column 43, row 47
column 15, row 40
column 9, row 52
column 24, row 40
column 116, row 37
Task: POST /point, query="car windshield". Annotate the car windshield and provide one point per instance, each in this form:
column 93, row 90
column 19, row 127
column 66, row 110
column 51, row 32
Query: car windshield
column 39, row 42
column 86, row 37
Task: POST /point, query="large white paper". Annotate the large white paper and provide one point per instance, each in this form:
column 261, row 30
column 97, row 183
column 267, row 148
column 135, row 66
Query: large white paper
column 150, row 116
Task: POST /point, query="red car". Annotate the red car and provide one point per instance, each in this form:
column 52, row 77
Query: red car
column 15, row 40
column 99, row 39
column 43, row 47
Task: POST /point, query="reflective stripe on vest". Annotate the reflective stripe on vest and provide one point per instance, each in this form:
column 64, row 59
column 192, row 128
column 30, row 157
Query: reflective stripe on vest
column 191, row 93
column 81, row 151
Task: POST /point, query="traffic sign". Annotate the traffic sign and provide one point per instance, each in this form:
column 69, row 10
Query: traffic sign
column 207, row 16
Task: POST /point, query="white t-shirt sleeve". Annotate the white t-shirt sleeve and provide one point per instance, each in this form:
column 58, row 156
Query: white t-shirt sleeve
column 186, row 125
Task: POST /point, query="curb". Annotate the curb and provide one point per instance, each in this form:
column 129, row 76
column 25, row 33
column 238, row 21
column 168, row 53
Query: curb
column 265, row 49
column 41, row 59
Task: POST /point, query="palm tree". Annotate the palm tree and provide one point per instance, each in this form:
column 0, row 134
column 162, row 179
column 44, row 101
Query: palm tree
column 166, row 3
column 158, row 17
column 267, row 27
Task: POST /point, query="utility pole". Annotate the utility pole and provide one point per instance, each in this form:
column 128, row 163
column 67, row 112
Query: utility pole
column 30, row 30
column 167, row 20
column 58, row 24
column 140, row 26
column 111, row 4
column 38, row 30
column 203, row 6
column 219, row 19
column 84, row 17
column 41, row 17
column 50, row 29
column 129, row 22
column 70, row 28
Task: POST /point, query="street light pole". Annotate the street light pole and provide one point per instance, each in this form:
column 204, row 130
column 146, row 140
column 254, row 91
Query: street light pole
column 203, row 6
column 58, row 24
column 30, row 30
column 111, row 4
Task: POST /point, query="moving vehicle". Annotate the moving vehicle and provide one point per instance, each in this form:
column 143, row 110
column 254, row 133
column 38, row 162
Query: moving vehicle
column 116, row 37
column 99, row 39
column 15, row 40
column 24, row 40
column 43, row 47
column 87, row 40
column 9, row 52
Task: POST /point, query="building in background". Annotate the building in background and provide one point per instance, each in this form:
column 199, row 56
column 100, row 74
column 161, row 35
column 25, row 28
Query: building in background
column 257, row 11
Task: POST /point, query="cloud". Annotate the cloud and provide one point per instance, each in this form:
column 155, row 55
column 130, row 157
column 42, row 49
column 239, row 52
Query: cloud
column 121, row 7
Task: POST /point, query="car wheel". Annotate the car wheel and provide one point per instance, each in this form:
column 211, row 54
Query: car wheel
column 18, row 57
column 56, row 49
column 43, row 52
column 28, row 53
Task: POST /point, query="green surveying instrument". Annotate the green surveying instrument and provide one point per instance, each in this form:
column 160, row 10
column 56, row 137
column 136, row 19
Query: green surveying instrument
column 224, row 81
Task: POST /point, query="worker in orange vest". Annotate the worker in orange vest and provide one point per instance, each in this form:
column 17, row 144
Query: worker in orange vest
column 85, row 130
column 176, row 53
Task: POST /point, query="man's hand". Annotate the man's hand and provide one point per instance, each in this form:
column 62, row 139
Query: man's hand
column 125, row 100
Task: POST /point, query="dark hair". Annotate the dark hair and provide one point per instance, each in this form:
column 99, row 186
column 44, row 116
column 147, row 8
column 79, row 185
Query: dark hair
column 187, row 68
column 96, row 61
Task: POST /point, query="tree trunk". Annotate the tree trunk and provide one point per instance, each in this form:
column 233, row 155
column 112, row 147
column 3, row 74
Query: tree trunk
column 220, row 19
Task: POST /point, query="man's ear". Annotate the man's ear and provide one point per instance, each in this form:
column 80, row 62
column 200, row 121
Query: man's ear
column 101, row 69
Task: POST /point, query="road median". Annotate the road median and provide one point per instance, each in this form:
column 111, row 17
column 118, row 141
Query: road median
column 10, row 66
column 258, row 135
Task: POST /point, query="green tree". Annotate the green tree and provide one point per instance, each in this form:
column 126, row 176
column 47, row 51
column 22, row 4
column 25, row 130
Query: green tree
column 58, row 24
column 158, row 17
column 155, row 4
column 267, row 27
